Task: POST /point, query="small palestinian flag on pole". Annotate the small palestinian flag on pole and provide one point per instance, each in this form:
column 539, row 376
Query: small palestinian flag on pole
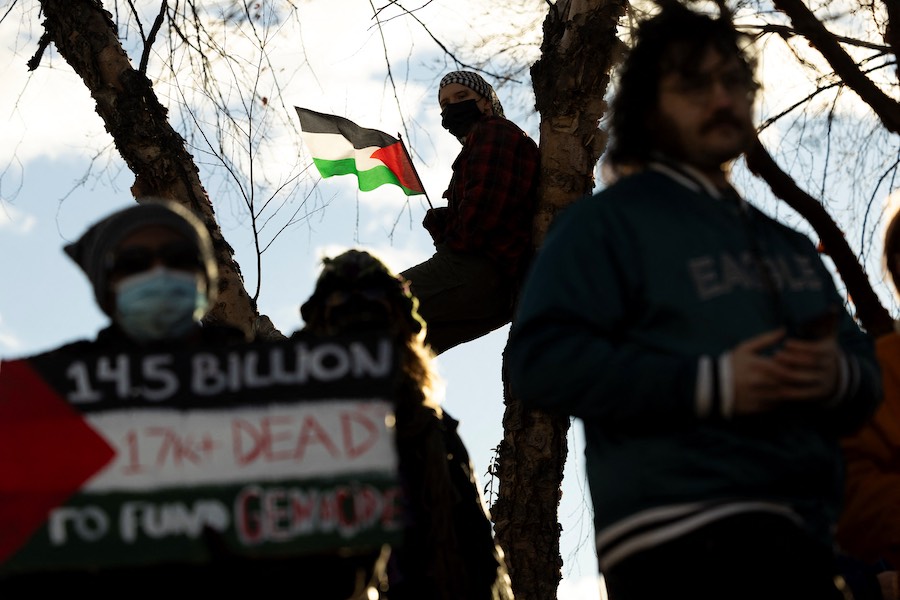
column 341, row 147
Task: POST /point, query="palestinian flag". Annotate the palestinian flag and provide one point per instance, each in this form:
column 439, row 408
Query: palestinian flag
column 341, row 147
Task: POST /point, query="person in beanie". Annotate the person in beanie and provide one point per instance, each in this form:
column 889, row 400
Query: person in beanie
column 483, row 237
column 703, row 345
column 448, row 551
column 153, row 272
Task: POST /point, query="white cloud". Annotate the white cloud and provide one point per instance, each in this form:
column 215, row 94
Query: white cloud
column 395, row 259
column 8, row 342
column 45, row 113
column 584, row 588
column 15, row 220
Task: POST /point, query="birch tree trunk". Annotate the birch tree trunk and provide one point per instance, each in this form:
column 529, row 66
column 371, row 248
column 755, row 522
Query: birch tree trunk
column 85, row 35
column 578, row 51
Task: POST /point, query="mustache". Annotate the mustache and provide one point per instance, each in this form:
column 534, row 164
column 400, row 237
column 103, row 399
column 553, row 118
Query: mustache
column 722, row 117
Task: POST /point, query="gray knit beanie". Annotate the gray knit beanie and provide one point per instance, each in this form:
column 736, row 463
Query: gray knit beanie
column 476, row 83
column 94, row 250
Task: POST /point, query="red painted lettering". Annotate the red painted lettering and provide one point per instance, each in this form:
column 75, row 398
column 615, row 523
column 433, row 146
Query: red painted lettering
column 392, row 513
column 353, row 446
column 367, row 505
column 277, row 515
column 311, row 432
column 173, row 447
column 303, row 510
column 261, row 440
column 247, row 518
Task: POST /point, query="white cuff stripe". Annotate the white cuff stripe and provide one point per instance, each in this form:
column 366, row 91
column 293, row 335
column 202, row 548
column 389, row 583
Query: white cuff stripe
column 704, row 387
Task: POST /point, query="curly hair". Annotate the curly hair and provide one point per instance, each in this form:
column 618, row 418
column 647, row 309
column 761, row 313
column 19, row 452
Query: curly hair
column 357, row 271
column 674, row 40
column 891, row 250
column 448, row 551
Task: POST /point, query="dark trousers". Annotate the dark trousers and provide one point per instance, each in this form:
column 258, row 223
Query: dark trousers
column 745, row 557
column 461, row 297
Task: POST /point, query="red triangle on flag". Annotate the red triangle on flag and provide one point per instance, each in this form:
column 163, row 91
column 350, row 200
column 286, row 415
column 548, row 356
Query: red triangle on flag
column 397, row 160
column 47, row 452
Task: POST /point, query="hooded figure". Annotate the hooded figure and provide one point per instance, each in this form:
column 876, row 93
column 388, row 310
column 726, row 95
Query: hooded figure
column 154, row 274
column 95, row 250
column 448, row 550
column 153, row 271
column 356, row 290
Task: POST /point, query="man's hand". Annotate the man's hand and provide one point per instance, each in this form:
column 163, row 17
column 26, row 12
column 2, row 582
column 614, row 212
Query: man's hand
column 890, row 585
column 798, row 371
column 435, row 219
column 814, row 366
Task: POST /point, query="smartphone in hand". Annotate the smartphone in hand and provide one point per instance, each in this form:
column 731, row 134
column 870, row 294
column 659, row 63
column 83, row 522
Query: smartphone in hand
column 817, row 327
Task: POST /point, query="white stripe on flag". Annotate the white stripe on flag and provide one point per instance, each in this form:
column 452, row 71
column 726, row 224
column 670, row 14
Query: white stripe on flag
column 330, row 146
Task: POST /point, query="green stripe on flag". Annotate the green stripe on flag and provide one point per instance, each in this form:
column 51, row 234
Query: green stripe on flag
column 368, row 180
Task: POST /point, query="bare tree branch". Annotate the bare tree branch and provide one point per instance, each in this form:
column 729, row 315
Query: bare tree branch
column 892, row 30
column 873, row 315
column 806, row 23
column 788, row 32
column 462, row 64
column 43, row 43
column 148, row 42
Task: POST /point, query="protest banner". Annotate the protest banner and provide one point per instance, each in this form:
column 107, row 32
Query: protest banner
column 264, row 450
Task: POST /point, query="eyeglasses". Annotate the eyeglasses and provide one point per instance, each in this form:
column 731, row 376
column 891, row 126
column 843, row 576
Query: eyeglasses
column 699, row 87
column 181, row 256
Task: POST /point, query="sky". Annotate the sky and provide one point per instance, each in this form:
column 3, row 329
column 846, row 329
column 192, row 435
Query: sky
column 56, row 179
column 58, row 175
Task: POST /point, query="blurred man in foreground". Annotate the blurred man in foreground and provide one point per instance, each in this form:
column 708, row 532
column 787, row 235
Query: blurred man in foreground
column 703, row 344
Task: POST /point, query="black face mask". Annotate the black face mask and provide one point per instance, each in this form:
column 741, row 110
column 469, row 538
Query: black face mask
column 458, row 118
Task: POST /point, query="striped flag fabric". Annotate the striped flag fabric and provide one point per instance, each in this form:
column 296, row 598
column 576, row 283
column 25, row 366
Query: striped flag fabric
column 341, row 147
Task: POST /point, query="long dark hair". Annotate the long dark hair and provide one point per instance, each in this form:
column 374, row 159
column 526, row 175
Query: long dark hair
column 674, row 40
column 891, row 250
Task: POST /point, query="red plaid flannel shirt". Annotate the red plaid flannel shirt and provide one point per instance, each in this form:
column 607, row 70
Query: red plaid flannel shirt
column 492, row 196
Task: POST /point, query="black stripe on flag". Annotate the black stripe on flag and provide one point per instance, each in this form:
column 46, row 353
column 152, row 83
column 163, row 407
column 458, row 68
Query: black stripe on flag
column 316, row 122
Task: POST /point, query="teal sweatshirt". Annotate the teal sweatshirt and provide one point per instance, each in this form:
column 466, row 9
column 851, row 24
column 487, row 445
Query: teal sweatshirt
column 624, row 322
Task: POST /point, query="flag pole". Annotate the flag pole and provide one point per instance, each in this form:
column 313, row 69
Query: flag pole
column 409, row 158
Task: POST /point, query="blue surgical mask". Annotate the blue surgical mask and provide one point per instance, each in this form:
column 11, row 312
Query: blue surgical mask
column 159, row 304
